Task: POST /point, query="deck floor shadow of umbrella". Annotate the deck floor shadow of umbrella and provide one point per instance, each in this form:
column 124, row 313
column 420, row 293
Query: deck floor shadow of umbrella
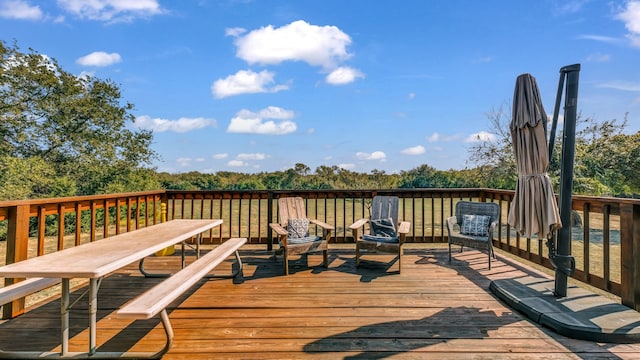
column 380, row 340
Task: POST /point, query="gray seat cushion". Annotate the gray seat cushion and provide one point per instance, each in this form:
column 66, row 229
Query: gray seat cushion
column 387, row 239
column 303, row 240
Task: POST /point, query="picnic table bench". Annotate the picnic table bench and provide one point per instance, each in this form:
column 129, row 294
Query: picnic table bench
column 26, row 287
column 156, row 299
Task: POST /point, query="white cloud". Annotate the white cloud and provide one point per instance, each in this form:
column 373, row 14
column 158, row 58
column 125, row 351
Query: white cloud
column 480, row 136
column 436, row 137
column 346, row 166
column 18, row 9
column 220, row 156
column 112, row 10
column 604, row 39
column 599, row 57
column 86, row 74
column 433, row 137
column 249, row 122
column 411, row 96
column 237, row 163
column 235, row 32
column 184, row 161
column 274, row 112
column 180, row 126
column 245, row 82
column 621, row 85
column 376, row 155
column 99, row 58
column 631, row 18
column 343, row 75
column 415, row 150
column 568, row 7
column 323, row 46
column 256, row 156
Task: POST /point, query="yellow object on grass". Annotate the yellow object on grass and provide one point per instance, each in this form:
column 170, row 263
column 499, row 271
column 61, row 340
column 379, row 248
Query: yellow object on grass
column 169, row 250
column 166, row 251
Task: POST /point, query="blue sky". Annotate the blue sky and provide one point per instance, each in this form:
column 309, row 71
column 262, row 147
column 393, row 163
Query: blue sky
column 260, row 85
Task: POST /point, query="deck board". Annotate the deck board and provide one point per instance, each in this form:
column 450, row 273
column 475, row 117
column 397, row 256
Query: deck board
column 432, row 310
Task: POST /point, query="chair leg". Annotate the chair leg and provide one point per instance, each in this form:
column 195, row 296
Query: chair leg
column 286, row 262
column 357, row 256
column 325, row 258
column 449, row 253
column 400, row 261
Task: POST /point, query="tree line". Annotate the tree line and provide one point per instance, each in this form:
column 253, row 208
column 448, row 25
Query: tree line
column 67, row 135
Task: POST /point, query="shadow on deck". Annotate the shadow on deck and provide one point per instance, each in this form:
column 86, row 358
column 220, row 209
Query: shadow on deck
column 432, row 310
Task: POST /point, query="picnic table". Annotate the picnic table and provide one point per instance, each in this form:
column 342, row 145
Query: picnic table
column 94, row 261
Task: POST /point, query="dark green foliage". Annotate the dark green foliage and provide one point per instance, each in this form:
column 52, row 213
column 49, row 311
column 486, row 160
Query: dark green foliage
column 63, row 135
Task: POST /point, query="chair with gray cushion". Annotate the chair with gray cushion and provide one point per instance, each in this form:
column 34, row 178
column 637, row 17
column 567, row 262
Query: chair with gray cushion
column 293, row 231
column 386, row 234
column 473, row 226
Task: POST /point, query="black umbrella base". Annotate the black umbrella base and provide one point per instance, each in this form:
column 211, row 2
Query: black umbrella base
column 580, row 315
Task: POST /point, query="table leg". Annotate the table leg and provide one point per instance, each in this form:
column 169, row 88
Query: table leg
column 198, row 242
column 64, row 317
column 93, row 310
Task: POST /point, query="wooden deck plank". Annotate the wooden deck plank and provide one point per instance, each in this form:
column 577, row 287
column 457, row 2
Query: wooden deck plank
column 432, row 310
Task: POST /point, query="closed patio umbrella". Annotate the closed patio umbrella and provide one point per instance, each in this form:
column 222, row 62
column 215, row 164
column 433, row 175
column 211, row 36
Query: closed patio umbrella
column 534, row 209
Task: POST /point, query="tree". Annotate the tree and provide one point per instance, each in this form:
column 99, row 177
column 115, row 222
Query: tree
column 605, row 161
column 496, row 156
column 607, row 158
column 77, row 125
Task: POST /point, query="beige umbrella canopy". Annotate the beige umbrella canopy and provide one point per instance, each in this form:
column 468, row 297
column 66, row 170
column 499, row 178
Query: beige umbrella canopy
column 534, row 209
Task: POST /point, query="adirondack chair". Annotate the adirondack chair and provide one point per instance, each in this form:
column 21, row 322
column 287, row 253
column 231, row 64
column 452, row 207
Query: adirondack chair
column 473, row 226
column 293, row 231
column 386, row 234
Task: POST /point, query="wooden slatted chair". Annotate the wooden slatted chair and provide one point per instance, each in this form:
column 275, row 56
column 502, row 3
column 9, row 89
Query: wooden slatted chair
column 473, row 226
column 386, row 234
column 293, row 231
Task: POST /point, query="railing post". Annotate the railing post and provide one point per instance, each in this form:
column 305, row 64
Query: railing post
column 17, row 250
column 270, row 217
column 630, row 255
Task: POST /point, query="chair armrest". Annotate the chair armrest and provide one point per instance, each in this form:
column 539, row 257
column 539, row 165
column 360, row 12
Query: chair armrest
column 403, row 228
column 355, row 227
column 451, row 222
column 323, row 225
column 358, row 224
column 278, row 229
column 326, row 228
column 492, row 228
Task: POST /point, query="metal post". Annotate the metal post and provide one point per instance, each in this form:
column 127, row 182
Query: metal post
column 566, row 263
column 64, row 314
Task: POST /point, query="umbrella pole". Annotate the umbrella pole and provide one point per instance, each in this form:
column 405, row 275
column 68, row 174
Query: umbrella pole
column 563, row 259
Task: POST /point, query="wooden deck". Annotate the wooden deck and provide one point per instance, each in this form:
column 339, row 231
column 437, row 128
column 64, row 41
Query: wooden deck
column 432, row 310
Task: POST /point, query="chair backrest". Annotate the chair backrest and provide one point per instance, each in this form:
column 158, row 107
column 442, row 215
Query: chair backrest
column 291, row 208
column 477, row 208
column 384, row 207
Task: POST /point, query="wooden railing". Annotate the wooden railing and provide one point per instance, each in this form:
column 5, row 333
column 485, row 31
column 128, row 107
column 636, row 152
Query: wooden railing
column 606, row 235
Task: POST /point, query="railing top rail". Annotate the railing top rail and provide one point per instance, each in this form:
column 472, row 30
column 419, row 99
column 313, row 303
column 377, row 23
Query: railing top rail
column 68, row 199
column 451, row 192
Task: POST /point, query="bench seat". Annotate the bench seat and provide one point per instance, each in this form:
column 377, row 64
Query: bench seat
column 26, row 287
column 156, row 299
